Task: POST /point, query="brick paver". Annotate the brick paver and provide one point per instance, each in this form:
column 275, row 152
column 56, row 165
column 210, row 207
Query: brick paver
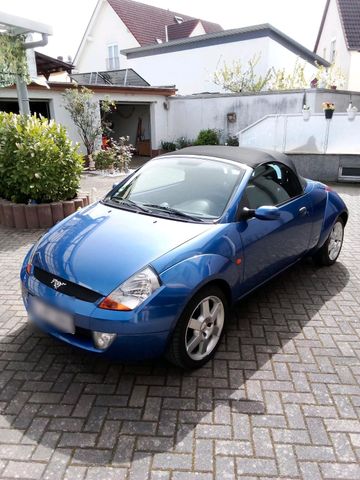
column 280, row 400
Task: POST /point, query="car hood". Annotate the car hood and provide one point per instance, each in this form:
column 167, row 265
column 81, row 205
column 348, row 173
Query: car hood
column 101, row 246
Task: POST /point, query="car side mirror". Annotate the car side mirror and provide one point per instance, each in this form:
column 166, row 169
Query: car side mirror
column 267, row 213
column 262, row 213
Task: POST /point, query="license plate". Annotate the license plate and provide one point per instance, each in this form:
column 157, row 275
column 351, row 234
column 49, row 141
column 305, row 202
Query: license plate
column 60, row 320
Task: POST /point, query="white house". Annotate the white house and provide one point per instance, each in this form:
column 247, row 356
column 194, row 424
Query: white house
column 339, row 39
column 120, row 24
column 168, row 48
column 191, row 62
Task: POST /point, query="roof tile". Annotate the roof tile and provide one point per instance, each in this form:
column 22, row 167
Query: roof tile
column 147, row 23
column 350, row 18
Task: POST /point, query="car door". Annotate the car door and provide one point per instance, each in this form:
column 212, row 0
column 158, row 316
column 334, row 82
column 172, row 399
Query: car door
column 271, row 245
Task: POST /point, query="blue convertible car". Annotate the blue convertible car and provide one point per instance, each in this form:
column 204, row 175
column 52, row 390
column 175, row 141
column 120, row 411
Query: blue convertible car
column 153, row 267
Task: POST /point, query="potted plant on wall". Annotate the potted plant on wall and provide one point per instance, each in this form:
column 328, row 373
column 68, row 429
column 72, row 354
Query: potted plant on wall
column 328, row 108
column 351, row 111
column 306, row 112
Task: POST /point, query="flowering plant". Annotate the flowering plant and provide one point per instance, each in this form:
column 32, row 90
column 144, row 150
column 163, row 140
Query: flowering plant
column 306, row 107
column 328, row 106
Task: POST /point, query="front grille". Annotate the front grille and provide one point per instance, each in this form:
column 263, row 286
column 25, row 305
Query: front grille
column 66, row 287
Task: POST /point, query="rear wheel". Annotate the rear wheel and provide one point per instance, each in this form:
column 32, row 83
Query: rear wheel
column 329, row 252
column 199, row 329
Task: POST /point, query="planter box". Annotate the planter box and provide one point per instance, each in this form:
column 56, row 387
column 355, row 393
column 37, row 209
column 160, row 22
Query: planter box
column 42, row 215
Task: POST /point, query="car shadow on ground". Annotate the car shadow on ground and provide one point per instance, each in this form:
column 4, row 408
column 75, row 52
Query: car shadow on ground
column 55, row 397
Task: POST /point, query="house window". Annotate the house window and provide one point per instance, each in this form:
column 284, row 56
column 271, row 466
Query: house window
column 324, row 53
column 113, row 61
column 332, row 51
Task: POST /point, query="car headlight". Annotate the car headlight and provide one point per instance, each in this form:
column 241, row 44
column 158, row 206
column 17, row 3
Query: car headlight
column 32, row 255
column 132, row 292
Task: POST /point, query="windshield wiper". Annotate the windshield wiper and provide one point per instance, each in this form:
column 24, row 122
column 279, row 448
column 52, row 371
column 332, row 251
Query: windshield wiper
column 128, row 203
column 173, row 211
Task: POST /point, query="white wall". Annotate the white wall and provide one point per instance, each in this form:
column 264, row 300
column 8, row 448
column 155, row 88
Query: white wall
column 192, row 70
column 333, row 30
column 354, row 72
column 158, row 127
column 105, row 30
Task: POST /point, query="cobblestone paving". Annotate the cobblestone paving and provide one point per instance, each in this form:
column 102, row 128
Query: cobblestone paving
column 280, row 400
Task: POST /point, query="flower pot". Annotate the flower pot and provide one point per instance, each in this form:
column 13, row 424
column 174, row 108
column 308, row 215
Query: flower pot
column 351, row 114
column 329, row 113
column 306, row 115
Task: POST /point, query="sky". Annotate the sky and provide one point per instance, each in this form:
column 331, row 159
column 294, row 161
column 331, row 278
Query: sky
column 300, row 19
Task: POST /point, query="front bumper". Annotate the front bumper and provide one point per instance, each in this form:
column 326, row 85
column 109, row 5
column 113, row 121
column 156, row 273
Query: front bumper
column 141, row 334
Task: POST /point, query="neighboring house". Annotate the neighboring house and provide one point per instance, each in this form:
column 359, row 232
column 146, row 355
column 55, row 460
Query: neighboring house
column 120, row 24
column 190, row 63
column 169, row 48
column 338, row 40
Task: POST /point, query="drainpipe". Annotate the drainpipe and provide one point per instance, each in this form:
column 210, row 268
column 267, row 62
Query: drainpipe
column 21, row 87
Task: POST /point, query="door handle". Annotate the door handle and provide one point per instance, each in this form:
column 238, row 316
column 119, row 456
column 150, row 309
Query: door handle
column 303, row 211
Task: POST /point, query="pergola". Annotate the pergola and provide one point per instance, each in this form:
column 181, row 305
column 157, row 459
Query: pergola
column 14, row 25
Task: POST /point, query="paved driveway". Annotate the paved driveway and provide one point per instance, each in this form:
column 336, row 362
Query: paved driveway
column 280, row 400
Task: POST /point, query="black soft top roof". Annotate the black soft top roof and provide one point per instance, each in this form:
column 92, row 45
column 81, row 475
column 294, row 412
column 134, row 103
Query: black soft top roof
column 248, row 156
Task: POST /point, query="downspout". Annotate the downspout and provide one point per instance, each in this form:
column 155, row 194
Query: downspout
column 21, row 87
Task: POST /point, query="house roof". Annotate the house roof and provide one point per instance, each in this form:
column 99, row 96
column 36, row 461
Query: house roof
column 148, row 23
column 349, row 12
column 228, row 36
column 181, row 30
column 46, row 65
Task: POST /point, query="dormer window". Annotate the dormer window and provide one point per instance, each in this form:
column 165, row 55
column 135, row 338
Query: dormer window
column 158, row 40
column 178, row 19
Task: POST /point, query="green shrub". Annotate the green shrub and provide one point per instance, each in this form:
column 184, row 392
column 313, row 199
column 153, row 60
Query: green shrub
column 207, row 137
column 168, row 146
column 37, row 160
column 183, row 142
column 104, row 159
column 232, row 141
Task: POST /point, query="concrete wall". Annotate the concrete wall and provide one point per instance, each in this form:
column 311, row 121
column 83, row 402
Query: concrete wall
column 105, row 29
column 325, row 168
column 187, row 115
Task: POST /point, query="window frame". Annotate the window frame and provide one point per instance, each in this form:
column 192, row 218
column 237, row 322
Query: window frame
column 280, row 204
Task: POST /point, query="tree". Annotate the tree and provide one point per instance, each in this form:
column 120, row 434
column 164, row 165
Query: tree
column 86, row 114
column 236, row 78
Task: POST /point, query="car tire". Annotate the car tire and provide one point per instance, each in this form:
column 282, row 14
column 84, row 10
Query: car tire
column 329, row 252
column 199, row 330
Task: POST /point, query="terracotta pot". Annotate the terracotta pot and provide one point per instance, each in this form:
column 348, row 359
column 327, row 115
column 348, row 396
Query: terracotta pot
column 31, row 215
column 69, row 207
column 8, row 215
column 19, row 216
column 57, row 212
column 45, row 215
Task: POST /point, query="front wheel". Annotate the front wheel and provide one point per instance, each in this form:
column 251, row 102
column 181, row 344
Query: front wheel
column 329, row 252
column 199, row 329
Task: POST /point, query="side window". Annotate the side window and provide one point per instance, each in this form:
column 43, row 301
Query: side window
column 271, row 184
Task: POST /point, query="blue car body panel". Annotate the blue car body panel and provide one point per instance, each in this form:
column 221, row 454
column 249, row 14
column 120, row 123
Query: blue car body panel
column 101, row 246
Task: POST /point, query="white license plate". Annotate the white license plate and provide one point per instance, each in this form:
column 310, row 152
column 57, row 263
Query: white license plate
column 61, row 320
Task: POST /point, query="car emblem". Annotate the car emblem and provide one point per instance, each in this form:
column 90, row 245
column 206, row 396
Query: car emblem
column 57, row 284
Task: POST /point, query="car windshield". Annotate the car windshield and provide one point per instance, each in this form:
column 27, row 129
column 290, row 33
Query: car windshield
column 193, row 189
